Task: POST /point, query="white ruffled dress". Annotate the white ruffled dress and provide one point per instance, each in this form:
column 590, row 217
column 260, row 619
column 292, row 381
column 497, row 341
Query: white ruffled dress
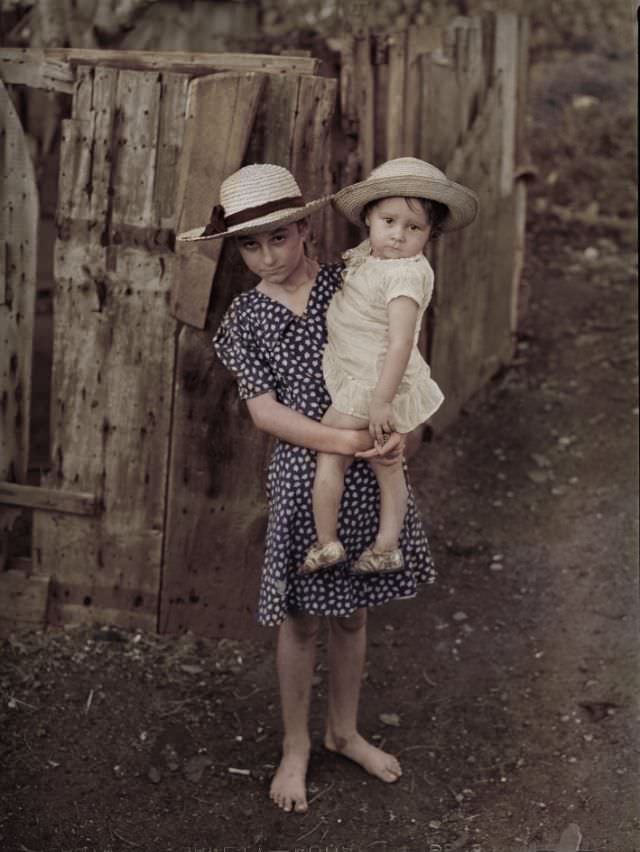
column 358, row 337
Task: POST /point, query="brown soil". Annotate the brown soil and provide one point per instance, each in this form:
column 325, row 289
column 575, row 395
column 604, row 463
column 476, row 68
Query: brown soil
column 514, row 679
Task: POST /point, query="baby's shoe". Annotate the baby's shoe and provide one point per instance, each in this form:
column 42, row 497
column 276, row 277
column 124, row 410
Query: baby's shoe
column 322, row 556
column 379, row 561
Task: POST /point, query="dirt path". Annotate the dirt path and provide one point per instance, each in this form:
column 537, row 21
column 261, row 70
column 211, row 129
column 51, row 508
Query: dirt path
column 514, row 679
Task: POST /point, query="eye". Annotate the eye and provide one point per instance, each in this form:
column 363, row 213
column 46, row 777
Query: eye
column 250, row 245
column 387, row 220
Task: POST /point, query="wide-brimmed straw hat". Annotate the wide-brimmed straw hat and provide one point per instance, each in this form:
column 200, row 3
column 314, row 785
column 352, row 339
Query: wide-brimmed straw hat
column 253, row 199
column 410, row 177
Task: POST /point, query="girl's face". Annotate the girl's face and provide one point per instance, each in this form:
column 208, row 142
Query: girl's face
column 275, row 256
column 398, row 227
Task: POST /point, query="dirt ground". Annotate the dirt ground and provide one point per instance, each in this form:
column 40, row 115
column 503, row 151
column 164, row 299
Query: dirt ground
column 509, row 689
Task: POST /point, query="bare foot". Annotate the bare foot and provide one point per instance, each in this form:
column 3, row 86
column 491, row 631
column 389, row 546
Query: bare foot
column 372, row 759
column 288, row 788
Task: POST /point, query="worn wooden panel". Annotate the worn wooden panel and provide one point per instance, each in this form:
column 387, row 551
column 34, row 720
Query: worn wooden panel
column 440, row 120
column 471, row 322
column 34, row 69
column 216, row 514
column 311, row 152
column 18, row 253
column 53, row 67
column 23, row 600
column 18, row 225
column 206, row 159
column 114, row 350
column 36, row 497
column 397, row 106
column 365, row 103
column 506, row 65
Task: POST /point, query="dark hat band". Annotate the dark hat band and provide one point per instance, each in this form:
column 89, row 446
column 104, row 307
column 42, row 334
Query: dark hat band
column 219, row 223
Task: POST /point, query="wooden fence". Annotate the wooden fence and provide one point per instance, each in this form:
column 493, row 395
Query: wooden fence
column 152, row 512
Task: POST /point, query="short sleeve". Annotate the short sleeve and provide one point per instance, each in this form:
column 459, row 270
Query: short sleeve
column 415, row 281
column 236, row 347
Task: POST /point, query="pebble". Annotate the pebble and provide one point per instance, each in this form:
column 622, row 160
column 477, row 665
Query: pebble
column 460, row 616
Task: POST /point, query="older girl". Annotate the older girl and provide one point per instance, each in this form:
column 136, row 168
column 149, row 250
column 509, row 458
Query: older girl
column 272, row 338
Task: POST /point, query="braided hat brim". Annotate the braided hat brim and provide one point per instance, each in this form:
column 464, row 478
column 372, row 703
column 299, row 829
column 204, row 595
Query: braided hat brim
column 262, row 223
column 461, row 201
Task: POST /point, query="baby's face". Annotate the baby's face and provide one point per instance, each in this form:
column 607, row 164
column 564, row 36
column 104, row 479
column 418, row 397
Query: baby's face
column 398, row 227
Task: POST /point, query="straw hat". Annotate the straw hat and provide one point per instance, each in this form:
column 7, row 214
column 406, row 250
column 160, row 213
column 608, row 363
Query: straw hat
column 410, row 177
column 255, row 198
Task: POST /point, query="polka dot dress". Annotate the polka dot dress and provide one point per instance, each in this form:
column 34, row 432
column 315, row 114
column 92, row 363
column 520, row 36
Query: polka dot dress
column 269, row 348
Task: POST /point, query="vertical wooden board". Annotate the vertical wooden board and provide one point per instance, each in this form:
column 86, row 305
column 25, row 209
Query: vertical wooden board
column 207, row 158
column 18, row 227
column 311, row 151
column 174, row 90
column 105, row 118
column 396, row 98
column 471, row 309
column 506, row 65
column 439, row 129
column 381, row 100
column 111, row 407
column 365, row 102
column 522, row 155
column 76, row 167
column 135, row 148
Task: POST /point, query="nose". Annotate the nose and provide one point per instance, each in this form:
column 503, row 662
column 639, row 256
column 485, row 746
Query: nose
column 268, row 258
column 398, row 235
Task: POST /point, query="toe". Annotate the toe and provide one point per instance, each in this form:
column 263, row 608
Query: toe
column 301, row 807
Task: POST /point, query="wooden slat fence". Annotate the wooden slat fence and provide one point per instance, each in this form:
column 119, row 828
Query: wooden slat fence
column 152, row 513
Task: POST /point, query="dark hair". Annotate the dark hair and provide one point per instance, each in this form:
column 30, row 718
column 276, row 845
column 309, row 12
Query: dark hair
column 435, row 211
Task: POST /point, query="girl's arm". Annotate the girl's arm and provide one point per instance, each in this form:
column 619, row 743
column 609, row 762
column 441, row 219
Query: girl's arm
column 283, row 422
column 403, row 314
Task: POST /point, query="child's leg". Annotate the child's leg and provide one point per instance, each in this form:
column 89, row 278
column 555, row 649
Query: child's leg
column 329, row 479
column 346, row 655
column 295, row 658
column 393, row 504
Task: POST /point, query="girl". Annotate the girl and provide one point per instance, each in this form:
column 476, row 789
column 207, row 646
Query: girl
column 272, row 338
column 373, row 370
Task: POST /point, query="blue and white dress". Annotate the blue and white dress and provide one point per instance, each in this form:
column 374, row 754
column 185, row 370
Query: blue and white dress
column 269, row 348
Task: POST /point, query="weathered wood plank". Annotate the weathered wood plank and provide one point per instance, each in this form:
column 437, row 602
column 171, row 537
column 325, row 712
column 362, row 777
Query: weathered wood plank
column 470, row 314
column 34, row 497
column 397, row 106
column 33, row 68
column 171, row 139
column 311, row 151
column 439, row 129
column 506, row 65
column 53, row 64
column 18, row 226
column 206, row 159
column 23, row 600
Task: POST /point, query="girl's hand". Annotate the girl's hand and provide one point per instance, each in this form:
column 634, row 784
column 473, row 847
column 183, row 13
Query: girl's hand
column 388, row 453
column 380, row 421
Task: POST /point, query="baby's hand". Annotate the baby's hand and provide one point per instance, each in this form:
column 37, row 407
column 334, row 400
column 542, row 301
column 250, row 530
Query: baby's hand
column 380, row 421
column 389, row 453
